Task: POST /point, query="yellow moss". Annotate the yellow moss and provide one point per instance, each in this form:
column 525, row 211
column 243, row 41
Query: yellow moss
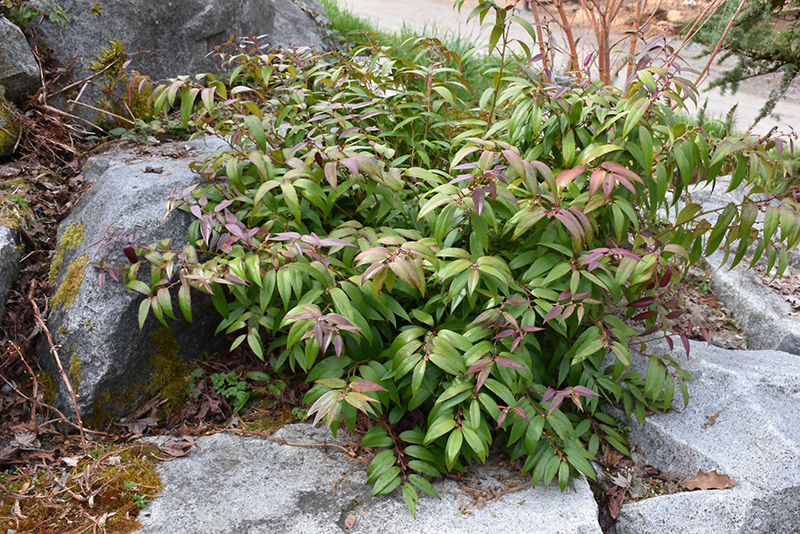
column 169, row 370
column 88, row 322
column 74, row 373
column 72, row 283
column 70, row 240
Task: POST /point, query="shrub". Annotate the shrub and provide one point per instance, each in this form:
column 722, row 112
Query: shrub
column 452, row 270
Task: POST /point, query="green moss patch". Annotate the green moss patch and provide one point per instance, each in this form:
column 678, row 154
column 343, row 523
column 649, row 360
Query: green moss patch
column 169, row 370
column 72, row 283
column 70, row 240
column 75, row 371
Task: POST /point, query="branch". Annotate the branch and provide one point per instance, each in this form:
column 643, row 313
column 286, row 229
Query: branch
column 64, row 377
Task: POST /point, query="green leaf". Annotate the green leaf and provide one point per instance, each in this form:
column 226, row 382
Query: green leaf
column 411, row 498
column 376, row 437
column 444, row 424
column 453, row 448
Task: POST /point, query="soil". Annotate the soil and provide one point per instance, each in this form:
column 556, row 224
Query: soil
column 441, row 17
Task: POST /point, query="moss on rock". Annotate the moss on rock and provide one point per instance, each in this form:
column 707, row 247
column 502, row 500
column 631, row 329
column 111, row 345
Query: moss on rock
column 74, row 373
column 70, row 240
column 65, row 295
column 9, row 131
column 169, row 369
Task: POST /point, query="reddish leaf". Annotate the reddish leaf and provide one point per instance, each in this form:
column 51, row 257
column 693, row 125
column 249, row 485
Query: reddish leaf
column 520, row 412
column 644, row 315
column 664, row 282
column 643, row 302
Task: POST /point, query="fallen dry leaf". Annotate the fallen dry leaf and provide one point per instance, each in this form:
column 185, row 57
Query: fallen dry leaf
column 176, row 449
column 7, row 171
column 350, row 521
column 71, row 461
column 710, row 480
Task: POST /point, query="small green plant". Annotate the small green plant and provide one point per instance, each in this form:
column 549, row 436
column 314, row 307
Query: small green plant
column 24, row 12
column 416, row 254
column 138, row 498
column 233, row 389
column 196, row 376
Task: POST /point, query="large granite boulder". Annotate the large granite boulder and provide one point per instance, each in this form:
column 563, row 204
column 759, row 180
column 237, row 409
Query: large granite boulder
column 742, row 422
column 231, row 484
column 110, row 362
column 19, row 71
column 9, row 260
column 168, row 39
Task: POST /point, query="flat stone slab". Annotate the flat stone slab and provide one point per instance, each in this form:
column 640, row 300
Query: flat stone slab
column 741, row 421
column 236, row 484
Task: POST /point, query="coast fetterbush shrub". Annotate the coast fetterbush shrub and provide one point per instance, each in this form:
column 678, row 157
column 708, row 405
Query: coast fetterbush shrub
column 452, row 268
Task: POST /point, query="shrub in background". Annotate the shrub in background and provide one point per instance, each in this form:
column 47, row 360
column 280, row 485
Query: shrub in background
column 450, row 268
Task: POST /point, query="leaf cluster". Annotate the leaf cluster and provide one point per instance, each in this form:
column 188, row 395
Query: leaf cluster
column 449, row 269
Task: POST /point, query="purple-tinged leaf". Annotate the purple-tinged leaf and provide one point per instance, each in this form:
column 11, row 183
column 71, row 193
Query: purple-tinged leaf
column 685, row 341
column 570, row 223
column 338, row 345
column 520, row 412
column 596, row 179
column 508, row 362
column 505, row 333
column 482, row 377
column 330, row 173
column 478, row 365
column 478, row 198
column 549, row 394
column 366, row 385
column 556, row 402
column 501, row 418
column 230, row 277
column 653, row 329
column 561, row 92
column 568, row 310
column 222, row 205
column 584, row 391
column 531, row 329
column 554, row 312
column 567, row 176
column 670, row 343
column 674, row 314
